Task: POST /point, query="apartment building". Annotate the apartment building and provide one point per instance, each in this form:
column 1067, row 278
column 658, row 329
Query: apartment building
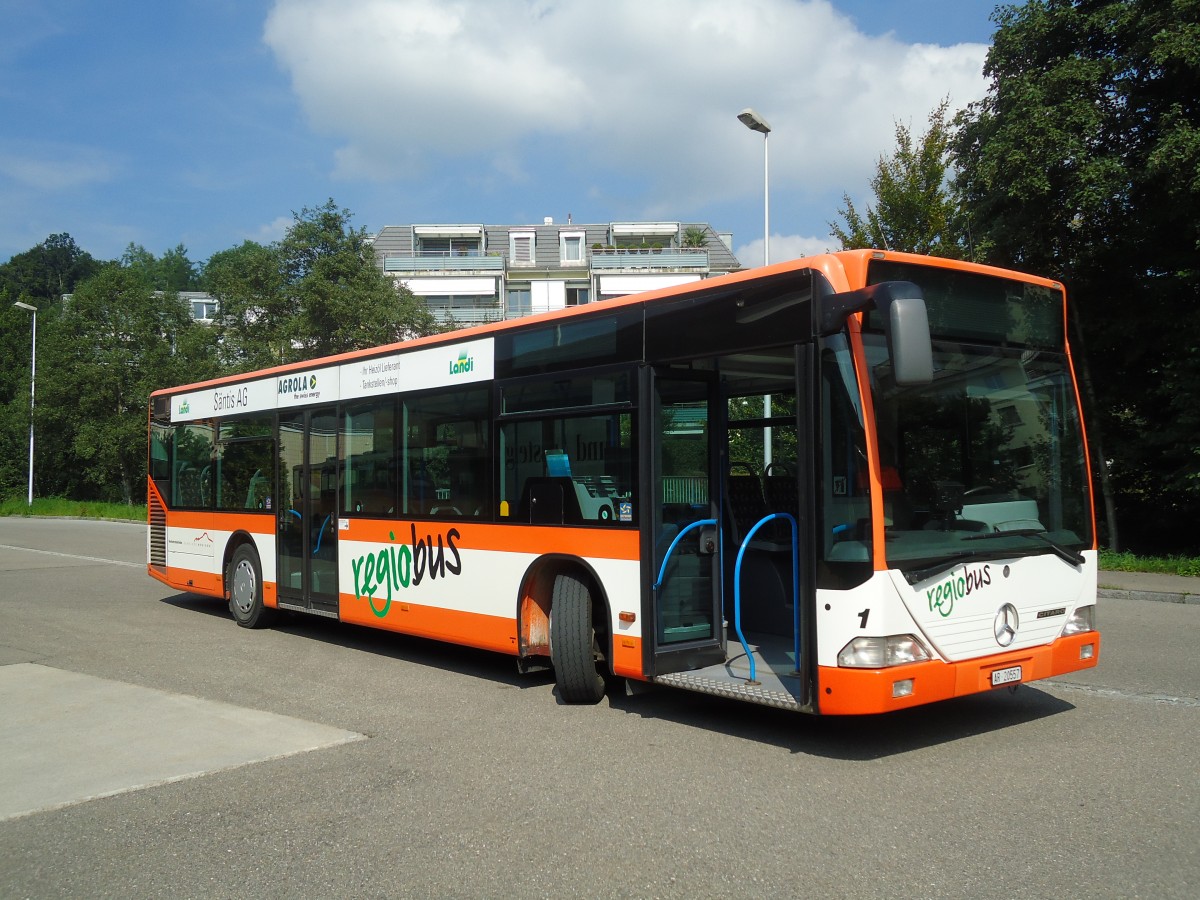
column 484, row 273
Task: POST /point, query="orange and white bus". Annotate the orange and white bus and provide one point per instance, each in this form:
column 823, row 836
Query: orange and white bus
column 848, row 483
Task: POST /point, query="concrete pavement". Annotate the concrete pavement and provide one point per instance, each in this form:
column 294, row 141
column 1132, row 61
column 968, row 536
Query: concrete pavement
column 1149, row 586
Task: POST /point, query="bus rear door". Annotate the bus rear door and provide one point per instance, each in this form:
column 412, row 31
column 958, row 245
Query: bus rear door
column 307, row 523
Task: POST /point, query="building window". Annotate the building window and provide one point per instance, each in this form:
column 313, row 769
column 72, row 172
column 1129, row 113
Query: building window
column 520, row 301
column 521, row 249
column 570, row 245
column 577, row 295
column 449, row 246
column 204, row 310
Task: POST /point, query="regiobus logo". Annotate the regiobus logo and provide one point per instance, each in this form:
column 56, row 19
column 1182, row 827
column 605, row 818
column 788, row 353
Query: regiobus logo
column 463, row 364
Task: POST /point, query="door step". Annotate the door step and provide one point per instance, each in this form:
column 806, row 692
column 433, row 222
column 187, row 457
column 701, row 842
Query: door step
column 733, row 688
column 300, row 607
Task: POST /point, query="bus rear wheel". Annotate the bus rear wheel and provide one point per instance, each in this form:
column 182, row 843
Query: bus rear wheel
column 574, row 648
column 245, row 589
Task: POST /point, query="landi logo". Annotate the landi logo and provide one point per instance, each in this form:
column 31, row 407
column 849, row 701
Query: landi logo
column 463, row 364
column 185, row 408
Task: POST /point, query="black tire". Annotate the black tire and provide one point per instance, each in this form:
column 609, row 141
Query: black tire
column 573, row 645
column 245, row 589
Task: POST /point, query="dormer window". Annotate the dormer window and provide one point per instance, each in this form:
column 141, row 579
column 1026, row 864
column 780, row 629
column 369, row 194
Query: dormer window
column 521, row 248
column 570, row 246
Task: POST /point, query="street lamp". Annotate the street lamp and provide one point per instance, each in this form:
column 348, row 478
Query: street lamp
column 32, row 379
column 755, row 122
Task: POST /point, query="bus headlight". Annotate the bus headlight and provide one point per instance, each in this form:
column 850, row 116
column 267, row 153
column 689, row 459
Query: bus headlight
column 880, row 652
column 1083, row 619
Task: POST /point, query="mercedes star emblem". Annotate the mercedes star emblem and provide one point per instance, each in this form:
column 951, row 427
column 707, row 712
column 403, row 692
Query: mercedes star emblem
column 1006, row 625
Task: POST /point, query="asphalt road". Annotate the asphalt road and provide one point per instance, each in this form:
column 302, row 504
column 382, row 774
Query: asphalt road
column 439, row 771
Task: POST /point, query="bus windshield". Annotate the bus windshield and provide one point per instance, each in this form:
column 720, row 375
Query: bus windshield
column 987, row 460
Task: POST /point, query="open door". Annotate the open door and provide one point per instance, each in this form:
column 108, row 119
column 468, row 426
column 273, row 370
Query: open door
column 307, row 523
column 688, row 627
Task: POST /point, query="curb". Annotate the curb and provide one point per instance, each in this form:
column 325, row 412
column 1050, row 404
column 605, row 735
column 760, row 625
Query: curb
column 1158, row 596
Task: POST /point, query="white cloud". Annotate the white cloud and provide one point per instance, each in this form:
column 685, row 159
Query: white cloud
column 54, row 167
column 272, row 231
column 784, row 247
column 506, row 87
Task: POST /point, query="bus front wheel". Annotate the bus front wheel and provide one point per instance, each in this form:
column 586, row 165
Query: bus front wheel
column 245, row 589
column 573, row 644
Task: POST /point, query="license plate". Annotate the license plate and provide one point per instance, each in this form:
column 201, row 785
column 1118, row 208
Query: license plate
column 1010, row 675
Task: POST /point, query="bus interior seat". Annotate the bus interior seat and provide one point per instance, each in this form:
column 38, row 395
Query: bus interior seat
column 743, row 500
column 549, row 500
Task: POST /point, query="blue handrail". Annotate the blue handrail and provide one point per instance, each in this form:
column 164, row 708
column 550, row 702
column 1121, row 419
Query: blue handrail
column 321, row 534
column 737, row 587
column 699, row 523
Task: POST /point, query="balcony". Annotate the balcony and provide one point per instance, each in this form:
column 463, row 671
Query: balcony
column 445, row 261
column 648, row 258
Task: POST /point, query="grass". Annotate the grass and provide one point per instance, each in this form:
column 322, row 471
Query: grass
column 77, row 509
column 1165, row 565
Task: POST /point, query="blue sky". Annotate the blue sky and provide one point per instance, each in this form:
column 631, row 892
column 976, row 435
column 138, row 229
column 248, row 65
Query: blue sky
column 207, row 122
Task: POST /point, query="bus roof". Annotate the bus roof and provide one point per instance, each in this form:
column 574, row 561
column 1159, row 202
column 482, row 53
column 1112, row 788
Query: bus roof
column 842, row 268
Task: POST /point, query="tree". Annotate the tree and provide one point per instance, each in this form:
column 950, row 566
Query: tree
column 39, row 277
column 316, row 292
column 252, row 313
column 173, row 272
column 914, row 211
column 47, row 271
column 341, row 298
column 1083, row 163
column 113, row 343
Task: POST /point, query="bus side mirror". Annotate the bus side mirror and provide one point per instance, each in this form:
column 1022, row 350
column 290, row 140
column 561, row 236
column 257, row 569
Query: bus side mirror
column 907, row 326
column 901, row 307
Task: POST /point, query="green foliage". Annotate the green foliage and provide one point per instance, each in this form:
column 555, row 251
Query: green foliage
column 173, row 272
column 1163, row 565
column 1083, row 163
column 251, row 320
column 339, row 297
column 114, row 342
column 914, row 211
column 43, row 274
column 316, row 292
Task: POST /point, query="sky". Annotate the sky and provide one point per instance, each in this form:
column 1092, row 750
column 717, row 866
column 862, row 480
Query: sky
column 210, row 122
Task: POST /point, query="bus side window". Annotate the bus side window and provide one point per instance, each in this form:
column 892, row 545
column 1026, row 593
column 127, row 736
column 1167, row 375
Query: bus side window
column 368, row 455
column 444, row 454
column 575, row 470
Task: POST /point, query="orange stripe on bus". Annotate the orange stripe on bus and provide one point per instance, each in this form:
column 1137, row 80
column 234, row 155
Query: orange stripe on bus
column 603, row 543
column 254, row 523
column 486, row 632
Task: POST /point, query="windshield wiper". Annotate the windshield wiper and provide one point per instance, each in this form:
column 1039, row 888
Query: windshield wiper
column 916, row 576
column 1066, row 554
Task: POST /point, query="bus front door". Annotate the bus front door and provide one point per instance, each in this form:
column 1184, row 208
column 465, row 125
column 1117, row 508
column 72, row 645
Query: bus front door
column 687, row 419
column 307, row 523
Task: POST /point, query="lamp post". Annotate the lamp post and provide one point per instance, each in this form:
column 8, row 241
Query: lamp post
column 755, row 122
column 32, row 380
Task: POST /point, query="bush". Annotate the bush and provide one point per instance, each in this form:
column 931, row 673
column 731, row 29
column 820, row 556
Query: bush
column 1165, row 565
